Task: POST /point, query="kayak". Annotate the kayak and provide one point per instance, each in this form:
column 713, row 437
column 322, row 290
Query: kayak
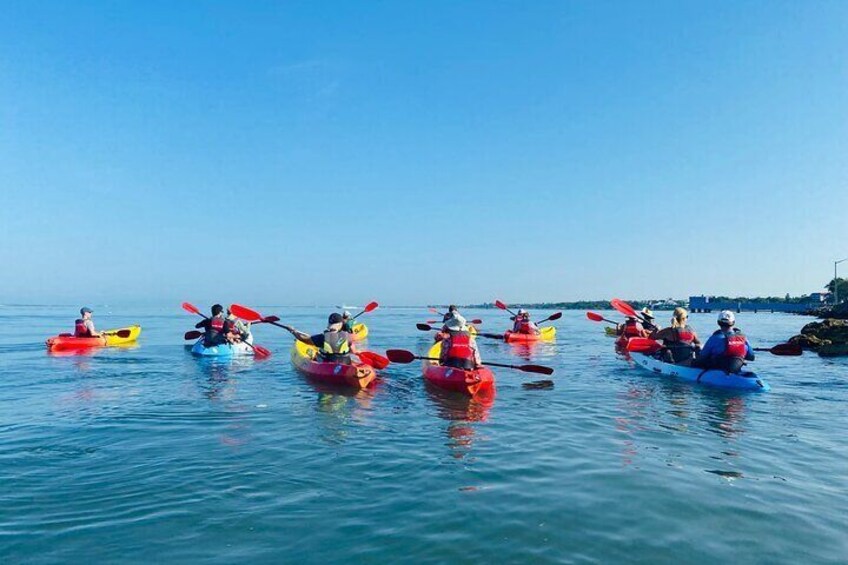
column 69, row 341
column 745, row 380
column 357, row 375
column 225, row 350
column 547, row 332
column 360, row 332
column 458, row 380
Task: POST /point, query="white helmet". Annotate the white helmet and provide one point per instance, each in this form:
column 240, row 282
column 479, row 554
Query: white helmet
column 726, row 317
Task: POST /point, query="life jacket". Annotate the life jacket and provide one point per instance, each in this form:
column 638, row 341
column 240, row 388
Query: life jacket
column 214, row 331
column 336, row 347
column 632, row 328
column 736, row 345
column 684, row 335
column 525, row 327
column 459, row 346
column 80, row 329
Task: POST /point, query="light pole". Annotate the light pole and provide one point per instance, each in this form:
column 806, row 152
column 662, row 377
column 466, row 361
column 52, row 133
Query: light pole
column 835, row 282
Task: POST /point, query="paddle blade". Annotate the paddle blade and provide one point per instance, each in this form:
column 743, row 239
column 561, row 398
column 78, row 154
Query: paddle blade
column 788, row 349
column 191, row 308
column 424, row 327
column 261, row 352
column 433, row 321
column 642, row 345
column 245, row 313
column 623, row 307
column 594, row 317
column 535, row 369
column 492, row 336
column 123, row 333
column 434, row 311
column 194, row 334
column 268, row 320
column 501, row 305
column 476, row 321
column 370, row 307
column 400, row 356
column 375, row 360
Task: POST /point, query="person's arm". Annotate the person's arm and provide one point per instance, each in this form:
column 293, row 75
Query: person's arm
column 662, row 334
column 711, row 348
column 749, row 352
column 477, row 359
column 90, row 325
column 443, row 351
column 695, row 340
column 202, row 324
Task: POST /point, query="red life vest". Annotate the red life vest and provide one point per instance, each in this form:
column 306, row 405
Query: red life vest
column 685, row 335
column 525, row 327
column 632, row 328
column 80, row 329
column 216, row 324
column 736, row 346
column 460, row 346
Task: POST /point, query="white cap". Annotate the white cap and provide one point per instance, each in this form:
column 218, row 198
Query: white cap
column 456, row 323
column 726, row 317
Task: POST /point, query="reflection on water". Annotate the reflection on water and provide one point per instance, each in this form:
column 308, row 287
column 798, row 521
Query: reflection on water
column 340, row 408
column 461, row 412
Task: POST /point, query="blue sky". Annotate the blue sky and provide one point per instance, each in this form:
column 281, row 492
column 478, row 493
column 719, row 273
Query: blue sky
column 318, row 153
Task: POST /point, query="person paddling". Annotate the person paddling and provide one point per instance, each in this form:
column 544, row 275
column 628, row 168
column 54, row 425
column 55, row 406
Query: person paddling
column 648, row 320
column 459, row 348
column 631, row 328
column 236, row 329
column 680, row 341
column 334, row 344
column 523, row 324
column 84, row 326
column 727, row 349
column 215, row 329
column 347, row 322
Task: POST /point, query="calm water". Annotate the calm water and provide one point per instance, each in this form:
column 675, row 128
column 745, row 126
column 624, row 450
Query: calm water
column 147, row 454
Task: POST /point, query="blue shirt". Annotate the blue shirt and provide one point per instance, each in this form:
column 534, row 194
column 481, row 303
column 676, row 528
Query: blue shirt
column 717, row 344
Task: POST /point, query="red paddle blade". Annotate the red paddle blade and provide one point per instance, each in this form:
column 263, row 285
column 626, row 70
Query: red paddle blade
column 269, row 320
column 434, row 311
column 594, row 317
column 400, row 356
column 370, row 307
column 261, row 352
column 556, row 316
column 245, row 313
column 432, row 321
column 191, row 308
column 375, row 360
column 789, row 349
column 423, row 327
column 623, row 307
column 501, row 305
column 542, row 370
column 476, row 321
column 642, row 345
column 194, row 334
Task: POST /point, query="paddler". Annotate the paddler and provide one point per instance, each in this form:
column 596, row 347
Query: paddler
column 680, row 340
column 648, row 320
column 631, row 328
column 459, row 348
column 215, row 329
column 334, row 344
column 347, row 322
column 523, row 324
column 237, row 330
column 727, row 349
column 84, row 326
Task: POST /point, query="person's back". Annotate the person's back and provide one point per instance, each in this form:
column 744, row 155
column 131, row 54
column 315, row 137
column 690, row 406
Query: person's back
column 335, row 346
column 727, row 349
column 458, row 346
column 632, row 328
column 679, row 340
column 214, row 328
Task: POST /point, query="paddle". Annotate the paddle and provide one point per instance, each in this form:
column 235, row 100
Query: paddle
column 375, row 360
column 258, row 350
column 434, row 311
column 503, row 306
column 475, row 322
column 624, row 308
column 427, row 328
column 370, row 307
column 404, row 356
column 119, row 333
column 550, row 318
column 598, row 318
column 194, row 334
column 785, row 349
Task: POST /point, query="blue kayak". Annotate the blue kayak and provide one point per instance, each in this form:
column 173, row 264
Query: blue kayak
column 223, row 350
column 744, row 380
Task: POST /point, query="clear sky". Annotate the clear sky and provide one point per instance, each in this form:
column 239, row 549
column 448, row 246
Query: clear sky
column 319, row 153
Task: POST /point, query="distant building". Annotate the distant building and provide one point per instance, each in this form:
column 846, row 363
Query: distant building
column 710, row 304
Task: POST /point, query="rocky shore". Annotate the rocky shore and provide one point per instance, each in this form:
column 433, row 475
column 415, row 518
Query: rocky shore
column 829, row 338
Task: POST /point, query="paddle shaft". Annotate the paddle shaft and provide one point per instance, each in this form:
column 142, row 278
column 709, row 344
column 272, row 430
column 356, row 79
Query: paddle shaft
column 519, row 367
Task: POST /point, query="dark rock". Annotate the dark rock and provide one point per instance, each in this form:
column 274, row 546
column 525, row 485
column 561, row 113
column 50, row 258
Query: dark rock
column 829, row 337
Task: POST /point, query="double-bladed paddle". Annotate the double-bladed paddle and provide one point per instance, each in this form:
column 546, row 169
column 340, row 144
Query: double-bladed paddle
column 598, row 318
column 404, row 356
column 258, row 350
column 429, row 328
column 783, row 349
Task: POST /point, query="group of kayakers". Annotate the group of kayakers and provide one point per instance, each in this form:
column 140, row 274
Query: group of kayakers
column 727, row 348
column 223, row 327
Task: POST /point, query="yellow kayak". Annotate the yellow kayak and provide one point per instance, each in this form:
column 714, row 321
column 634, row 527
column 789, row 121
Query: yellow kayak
column 135, row 331
column 360, row 331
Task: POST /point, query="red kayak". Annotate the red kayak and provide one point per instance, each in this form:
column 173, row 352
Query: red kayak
column 458, row 380
column 548, row 332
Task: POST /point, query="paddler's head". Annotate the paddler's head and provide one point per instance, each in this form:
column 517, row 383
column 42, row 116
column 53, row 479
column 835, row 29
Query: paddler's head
column 334, row 322
column 346, row 315
column 646, row 313
column 726, row 319
column 86, row 312
column 456, row 323
column 217, row 310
